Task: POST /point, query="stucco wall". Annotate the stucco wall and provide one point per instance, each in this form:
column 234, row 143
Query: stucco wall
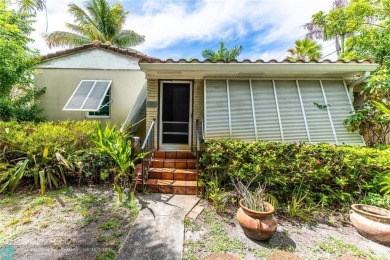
column 152, row 111
column 61, row 83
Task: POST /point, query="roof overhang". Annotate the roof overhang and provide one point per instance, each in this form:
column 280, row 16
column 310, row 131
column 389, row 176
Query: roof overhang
column 189, row 70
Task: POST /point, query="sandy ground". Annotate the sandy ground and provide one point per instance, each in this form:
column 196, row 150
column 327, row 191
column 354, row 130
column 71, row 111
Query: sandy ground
column 72, row 223
column 309, row 241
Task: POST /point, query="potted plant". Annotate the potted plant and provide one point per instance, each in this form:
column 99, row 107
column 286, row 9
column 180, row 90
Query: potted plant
column 256, row 212
column 371, row 222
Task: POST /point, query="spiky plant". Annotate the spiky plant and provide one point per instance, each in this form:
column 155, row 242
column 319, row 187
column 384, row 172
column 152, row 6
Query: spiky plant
column 305, row 49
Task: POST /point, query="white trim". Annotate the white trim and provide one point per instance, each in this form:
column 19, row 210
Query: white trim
column 329, row 114
column 253, row 110
column 278, row 111
column 303, row 111
column 170, row 146
column 228, row 99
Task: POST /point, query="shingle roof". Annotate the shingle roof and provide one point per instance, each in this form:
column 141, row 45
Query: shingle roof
column 96, row 45
column 259, row 61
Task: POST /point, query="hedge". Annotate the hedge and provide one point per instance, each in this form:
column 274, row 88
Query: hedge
column 328, row 174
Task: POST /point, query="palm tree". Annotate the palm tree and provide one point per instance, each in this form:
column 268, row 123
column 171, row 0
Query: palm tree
column 100, row 21
column 222, row 53
column 31, row 6
column 305, row 49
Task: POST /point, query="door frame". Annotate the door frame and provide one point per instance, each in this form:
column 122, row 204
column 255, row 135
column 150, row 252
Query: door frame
column 168, row 146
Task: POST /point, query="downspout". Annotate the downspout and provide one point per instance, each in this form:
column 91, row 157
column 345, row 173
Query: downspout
column 357, row 82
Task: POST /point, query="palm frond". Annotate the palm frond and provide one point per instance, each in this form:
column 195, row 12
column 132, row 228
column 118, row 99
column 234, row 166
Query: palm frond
column 64, row 39
column 127, row 38
column 208, row 54
column 31, row 6
column 81, row 17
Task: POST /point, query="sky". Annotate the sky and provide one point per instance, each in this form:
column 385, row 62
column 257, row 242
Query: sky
column 183, row 28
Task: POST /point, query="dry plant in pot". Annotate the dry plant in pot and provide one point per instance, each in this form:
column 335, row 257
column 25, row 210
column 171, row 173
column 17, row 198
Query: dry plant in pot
column 256, row 212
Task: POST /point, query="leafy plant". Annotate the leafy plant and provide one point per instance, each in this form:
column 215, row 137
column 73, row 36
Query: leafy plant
column 331, row 175
column 113, row 142
column 14, row 179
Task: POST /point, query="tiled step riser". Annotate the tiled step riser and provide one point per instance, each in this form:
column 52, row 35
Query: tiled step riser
column 174, row 163
column 172, row 176
column 173, row 155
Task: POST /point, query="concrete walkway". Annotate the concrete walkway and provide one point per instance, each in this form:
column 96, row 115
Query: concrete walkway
column 158, row 232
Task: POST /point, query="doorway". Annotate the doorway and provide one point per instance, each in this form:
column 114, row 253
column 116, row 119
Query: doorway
column 175, row 115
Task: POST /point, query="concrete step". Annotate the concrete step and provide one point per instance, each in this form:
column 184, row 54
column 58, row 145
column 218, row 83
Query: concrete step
column 172, row 174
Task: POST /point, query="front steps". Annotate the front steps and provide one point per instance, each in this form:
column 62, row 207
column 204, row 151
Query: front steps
column 173, row 172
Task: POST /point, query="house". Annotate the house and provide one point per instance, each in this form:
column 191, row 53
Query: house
column 94, row 81
column 248, row 100
column 252, row 100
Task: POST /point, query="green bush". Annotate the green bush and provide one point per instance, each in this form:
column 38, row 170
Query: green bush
column 331, row 175
column 58, row 152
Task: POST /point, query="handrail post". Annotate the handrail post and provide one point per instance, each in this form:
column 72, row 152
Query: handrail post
column 147, row 147
column 197, row 156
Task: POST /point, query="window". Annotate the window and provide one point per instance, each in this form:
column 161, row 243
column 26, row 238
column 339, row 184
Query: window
column 104, row 111
column 91, row 96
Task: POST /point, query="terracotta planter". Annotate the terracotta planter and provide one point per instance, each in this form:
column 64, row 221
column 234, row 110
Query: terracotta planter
column 257, row 225
column 371, row 222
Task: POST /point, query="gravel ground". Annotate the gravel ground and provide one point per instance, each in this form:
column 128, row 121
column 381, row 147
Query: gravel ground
column 212, row 232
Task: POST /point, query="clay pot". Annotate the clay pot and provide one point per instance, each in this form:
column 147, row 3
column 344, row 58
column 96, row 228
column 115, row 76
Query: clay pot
column 256, row 224
column 371, row 222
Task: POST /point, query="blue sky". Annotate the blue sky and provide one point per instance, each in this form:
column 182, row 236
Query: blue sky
column 183, row 28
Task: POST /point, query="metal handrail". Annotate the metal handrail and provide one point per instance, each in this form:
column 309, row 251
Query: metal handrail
column 148, row 149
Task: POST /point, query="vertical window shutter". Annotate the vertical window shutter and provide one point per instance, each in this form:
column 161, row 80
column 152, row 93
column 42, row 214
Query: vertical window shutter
column 340, row 108
column 241, row 112
column 293, row 123
column 318, row 121
column 217, row 111
column 267, row 121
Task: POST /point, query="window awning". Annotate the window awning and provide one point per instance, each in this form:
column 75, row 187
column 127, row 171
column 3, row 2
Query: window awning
column 279, row 110
column 88, row 96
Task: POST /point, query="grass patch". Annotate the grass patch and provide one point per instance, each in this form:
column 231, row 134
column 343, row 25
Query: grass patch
column 106, row 255
column 111, row 224
column 42, row 201
column 191, row 225
column 12, row 222
column 215, row 240
column 101, row 238
column 337, row 247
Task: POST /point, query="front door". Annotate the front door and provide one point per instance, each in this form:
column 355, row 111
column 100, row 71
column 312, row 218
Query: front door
column 175, row 115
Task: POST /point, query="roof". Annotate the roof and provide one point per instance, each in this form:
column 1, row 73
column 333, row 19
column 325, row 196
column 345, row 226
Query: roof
column 95, row 45
column 196, row 69
column 259, row 61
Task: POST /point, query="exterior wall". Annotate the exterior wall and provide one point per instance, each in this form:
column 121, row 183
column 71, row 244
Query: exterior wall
column 152, row 111
column 61, row 83
column 198, row 106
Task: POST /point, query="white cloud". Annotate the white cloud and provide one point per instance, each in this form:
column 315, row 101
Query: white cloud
column 164, row 24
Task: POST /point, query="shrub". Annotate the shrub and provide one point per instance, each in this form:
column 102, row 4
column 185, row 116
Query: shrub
column 330, row 174
column 57, row 152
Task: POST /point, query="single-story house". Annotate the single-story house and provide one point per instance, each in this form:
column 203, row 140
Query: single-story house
column 252, row 100
column 94, row 81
